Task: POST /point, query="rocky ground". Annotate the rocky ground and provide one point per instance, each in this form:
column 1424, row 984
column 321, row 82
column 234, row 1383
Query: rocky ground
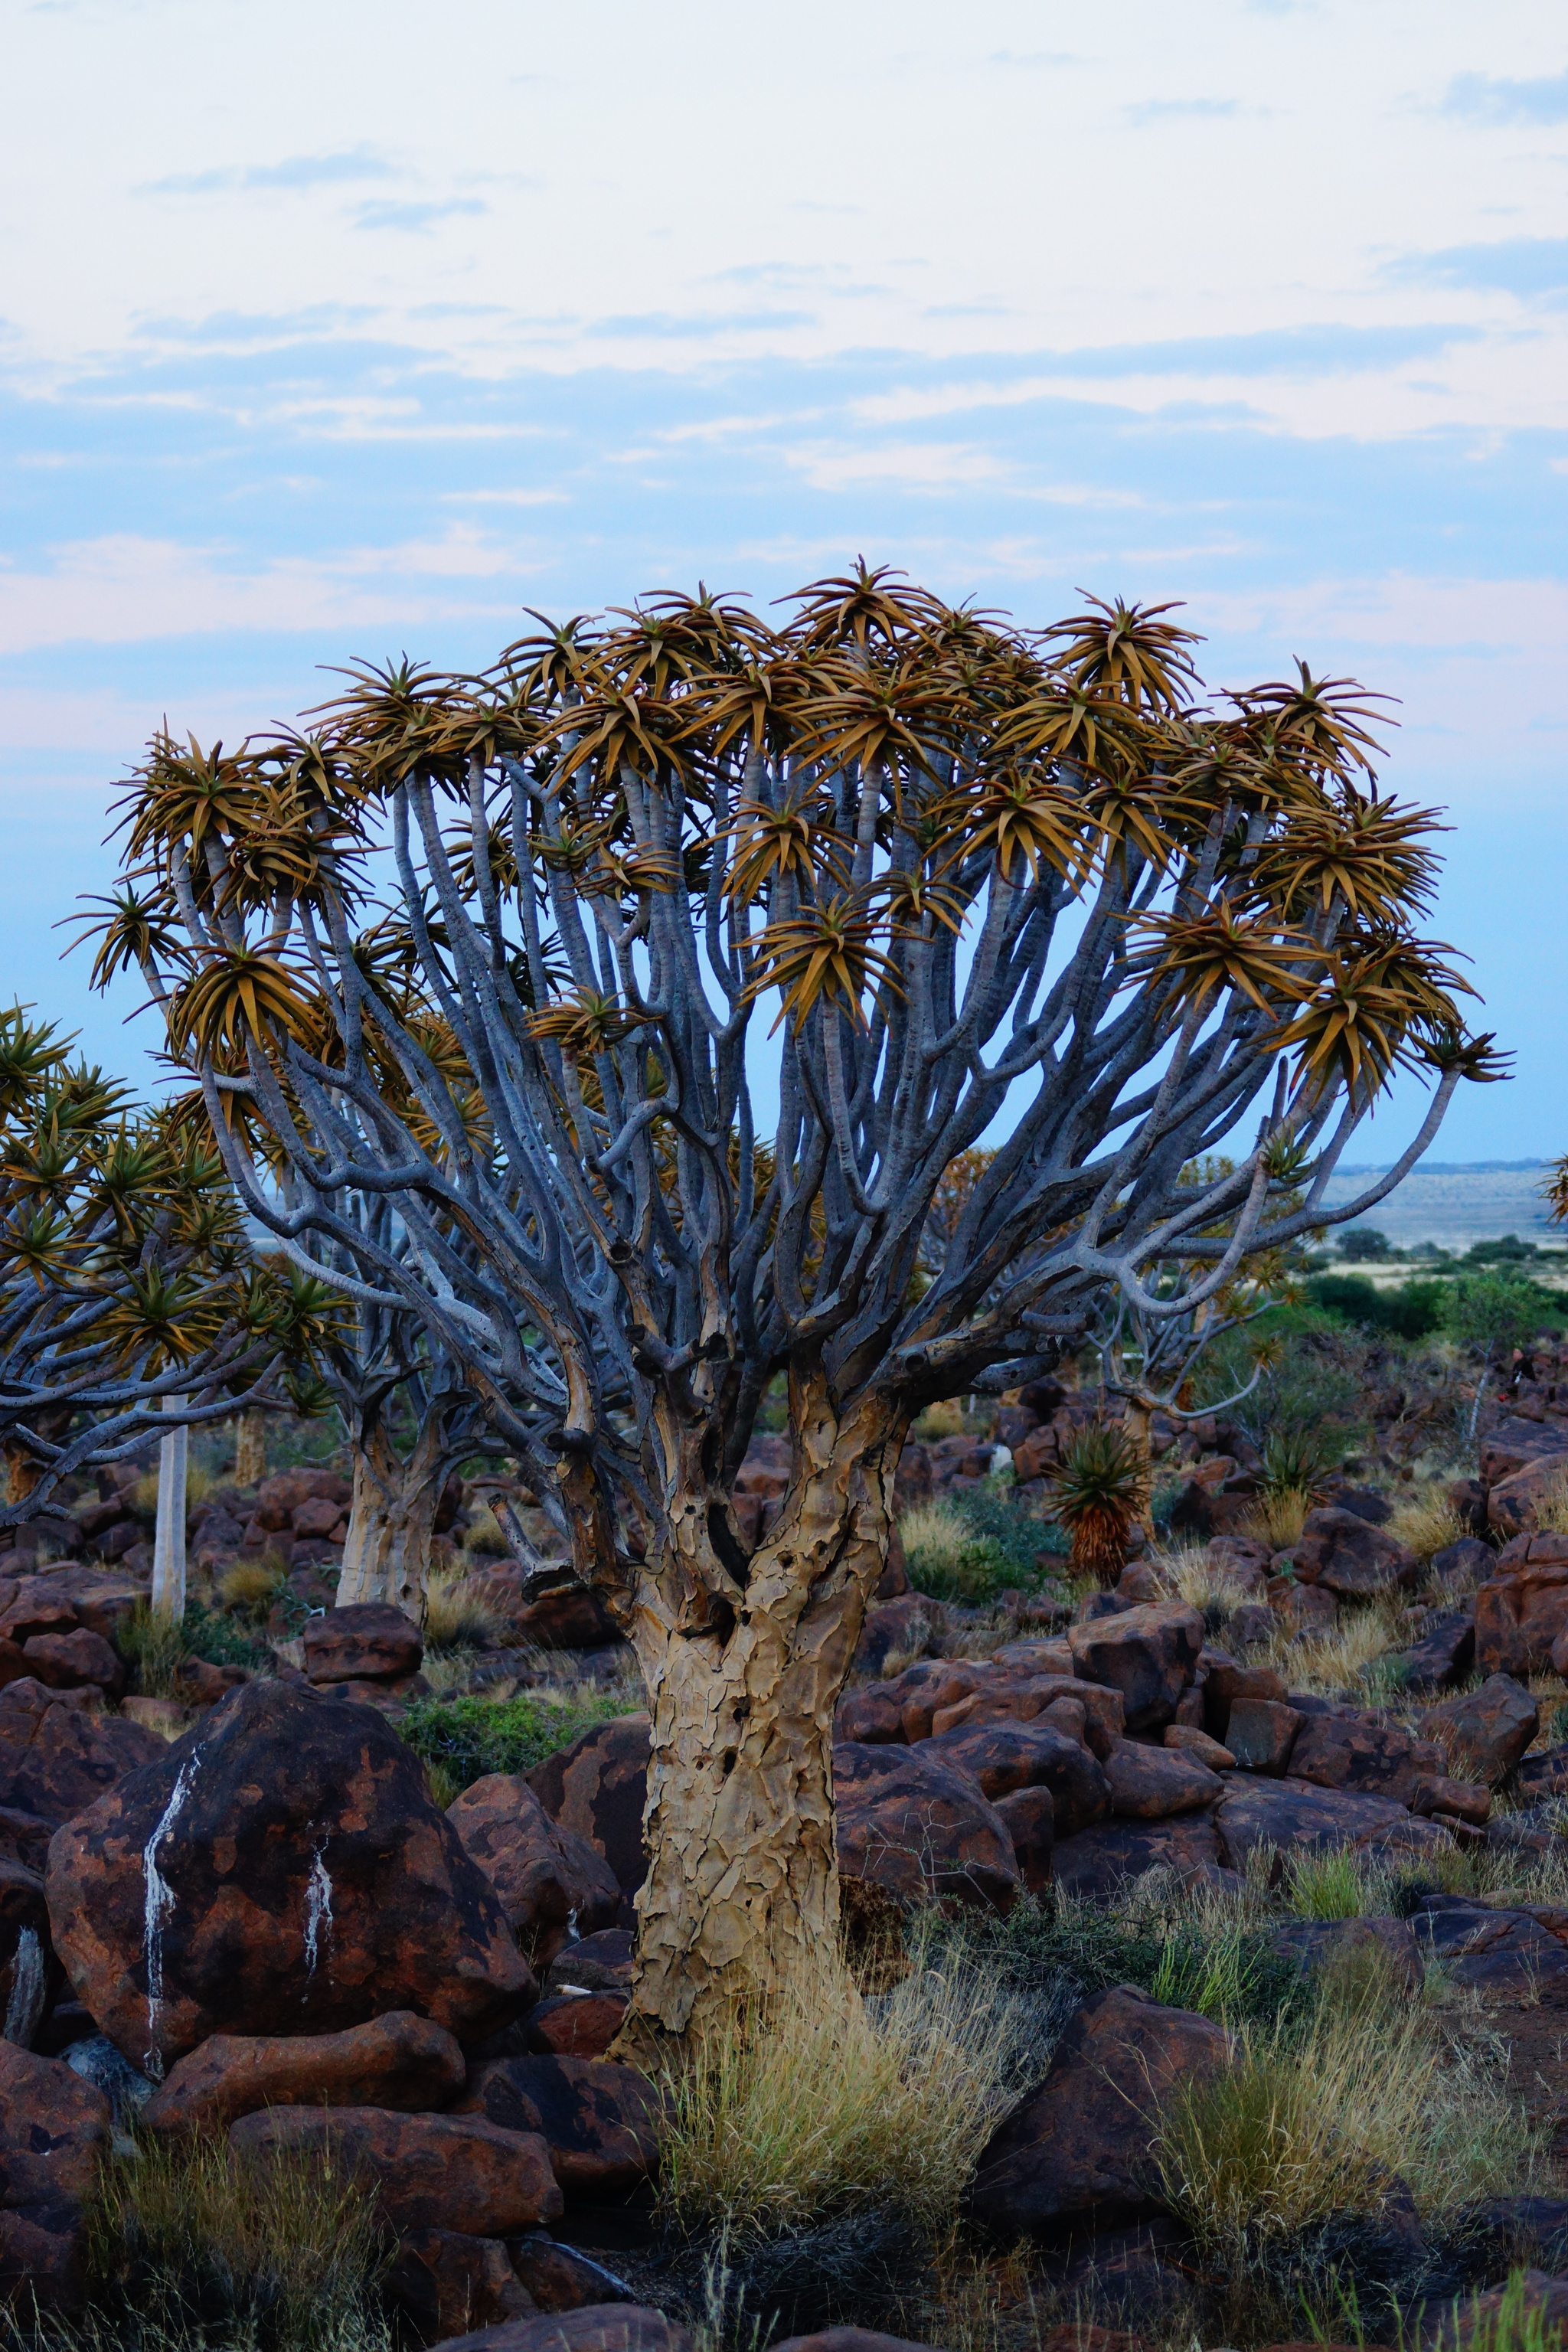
column 1286, row 1801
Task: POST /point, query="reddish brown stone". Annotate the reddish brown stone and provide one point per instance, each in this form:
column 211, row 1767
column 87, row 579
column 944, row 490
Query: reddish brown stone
column 898, row 1629
column 1520, row 1616
column 1099, row 1865
column 368, row 1642
column 569, row 1616
column 203, row 1685
column 55, row 1759
column 1148, row 1654
column 1225, row 1681
column 1376, row 1758
column 871, row 1714
column 54, row 2131
column 1513, row 1502
column 397, row 2061
column 308, row 1882
column 1190, row 1741
column 1004, row 1757
column 917, row 1826
column 563, row 2278
column 429, row 2172
column 550, row 1881
column 1294, row 1816
column 600, row 2122
column 1147, row 1784
column 603, row 1962
column 1484, row 1732
column 597, row 1788
column 1343, row 1551
column 1260, row 1734
column 1020, row 1698
column 445, row 2282
column 1081, row 2144
column 319, row 1517
column 574, row 2025
column 1465, row 1800
column 63, row 1661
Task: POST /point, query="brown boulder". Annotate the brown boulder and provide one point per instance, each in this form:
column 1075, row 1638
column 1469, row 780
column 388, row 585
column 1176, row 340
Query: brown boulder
column 1088, row 1710
column 1343, row 1551
column 279, row 1868
column 445, row 2281
column 917, row 1826
column 1505, row 1954
column 1514, row 1503
column 898, row 1629
column 1460, row 1800
column 1260, row 1734
column 429, row 2172
column 54, row 2131
column 1004, row 1757
column 574, row 2025
column 1225, row 1681
column 569, row 1616
column 1336, row 1752
column 596, row 2327
column 365, row 1641
column 1484, row 1732
column 597, row 1788
column 1293, row 1816
column 871, row 1714
column 1148, row 1784
column 1520, row 1617
column 563, row 2278
column 600, row 2122
column 1081, row 2144
column 55, row 1759
column 64, row 1661
column 397, row 2061
column 1099, row 1865
column 1149, row 1654
column 551, row 1883
column 603, row 1962
column 1445, row 1652
column 1188, row 1740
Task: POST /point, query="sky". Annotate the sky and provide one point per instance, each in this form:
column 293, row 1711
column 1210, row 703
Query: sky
column 337, row 331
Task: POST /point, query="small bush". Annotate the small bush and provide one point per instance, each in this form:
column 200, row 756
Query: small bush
column 469, row 1738
column 826, row 2104
column 970, row 1547
column 153, row 1647
column 1411, row 1311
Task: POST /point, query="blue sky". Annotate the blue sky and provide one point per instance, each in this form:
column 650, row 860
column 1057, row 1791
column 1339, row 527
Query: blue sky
column 339, row 331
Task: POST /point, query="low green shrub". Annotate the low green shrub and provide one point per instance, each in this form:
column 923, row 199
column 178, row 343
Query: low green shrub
column 969, row 1548
column 154, row 1647
column 465, row 1739
column 1412, row 1310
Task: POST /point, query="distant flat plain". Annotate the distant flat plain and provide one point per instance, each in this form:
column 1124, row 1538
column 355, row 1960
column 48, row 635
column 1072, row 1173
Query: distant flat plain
column 1455, row 1206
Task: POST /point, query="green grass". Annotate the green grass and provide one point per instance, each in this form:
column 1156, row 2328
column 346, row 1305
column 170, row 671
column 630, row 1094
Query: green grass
column 462, row 1739
column 154, row 1647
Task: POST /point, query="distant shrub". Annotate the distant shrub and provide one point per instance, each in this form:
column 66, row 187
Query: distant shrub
column 1364, row 1244
column 1411, row 1311
column 469, row 1737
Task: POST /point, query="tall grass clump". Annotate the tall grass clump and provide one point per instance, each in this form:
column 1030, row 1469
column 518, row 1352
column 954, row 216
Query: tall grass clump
column 1306, row 2127
column 824, row 2102
column 281, row 2256
column 455, row 1619
column 1425, row 1522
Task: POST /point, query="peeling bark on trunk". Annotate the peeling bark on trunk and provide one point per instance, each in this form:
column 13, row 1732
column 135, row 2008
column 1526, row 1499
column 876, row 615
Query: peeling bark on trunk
column 743, row 1883
column 250, row 1448
column 386, row 1555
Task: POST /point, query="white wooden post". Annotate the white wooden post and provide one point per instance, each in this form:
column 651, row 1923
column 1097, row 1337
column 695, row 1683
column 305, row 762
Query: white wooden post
column 169, row 1542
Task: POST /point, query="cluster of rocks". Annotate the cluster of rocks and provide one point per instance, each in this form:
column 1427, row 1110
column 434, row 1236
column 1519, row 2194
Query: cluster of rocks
column 266, row 1929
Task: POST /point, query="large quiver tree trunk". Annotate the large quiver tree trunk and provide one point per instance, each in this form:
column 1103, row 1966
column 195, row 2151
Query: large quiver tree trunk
column 744, row 1662
column 386, row 1555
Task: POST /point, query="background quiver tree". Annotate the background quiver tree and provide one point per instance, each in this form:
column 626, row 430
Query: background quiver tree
column 981, row 878
column 125, row 1273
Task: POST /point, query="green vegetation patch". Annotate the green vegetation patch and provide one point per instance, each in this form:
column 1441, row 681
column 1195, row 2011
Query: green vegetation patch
column 467, row 1737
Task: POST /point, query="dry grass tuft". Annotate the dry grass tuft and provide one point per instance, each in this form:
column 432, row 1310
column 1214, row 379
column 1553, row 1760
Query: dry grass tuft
column 484, row 1540
column 1331, row 1662
column 250, row 1588
column 1306, row 2126
column 934, row 1538
column 1551, row 1510
column 827, row 2103
column 1278, row 1518
column 1425, row 1522
column 293, row 2245
column 456, row 1619
column 947, row 1419
column 1202, row 1583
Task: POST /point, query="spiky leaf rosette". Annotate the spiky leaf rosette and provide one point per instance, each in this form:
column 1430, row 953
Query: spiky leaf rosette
column 1098, row 1485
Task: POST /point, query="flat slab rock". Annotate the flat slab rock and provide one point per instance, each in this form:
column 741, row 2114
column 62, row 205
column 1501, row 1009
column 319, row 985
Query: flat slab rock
column 398, row 2061
column 429, row 2172
column 1294, row 1817
column 1099, row 1863
column 278, row 1870
column 919, row 1827
column 56, row 1759
column 552, row 1883
column 1507, row 1954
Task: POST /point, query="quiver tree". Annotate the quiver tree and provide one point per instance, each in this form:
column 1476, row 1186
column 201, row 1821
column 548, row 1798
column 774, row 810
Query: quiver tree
column 736, row 938
column 124, row 1274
